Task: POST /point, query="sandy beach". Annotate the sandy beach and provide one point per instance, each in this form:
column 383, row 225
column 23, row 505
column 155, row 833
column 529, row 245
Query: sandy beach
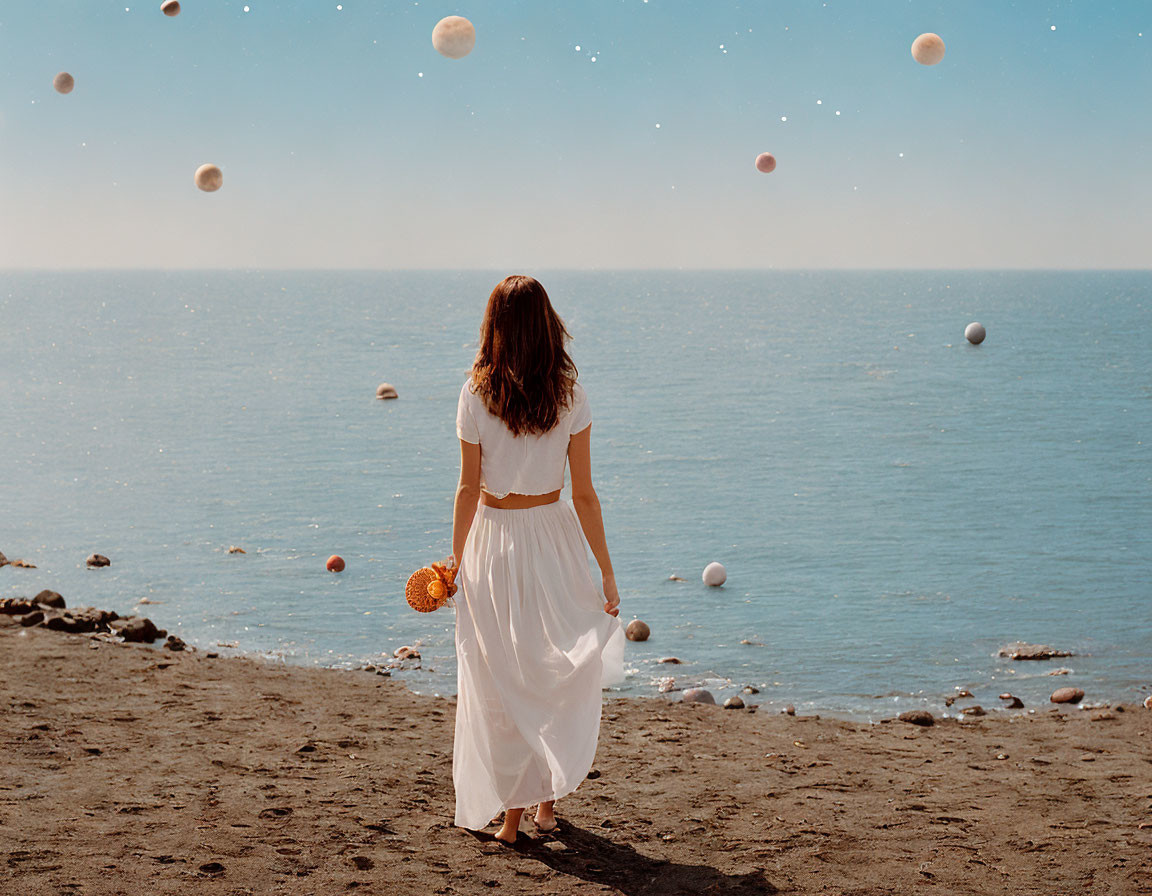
column 128, row 768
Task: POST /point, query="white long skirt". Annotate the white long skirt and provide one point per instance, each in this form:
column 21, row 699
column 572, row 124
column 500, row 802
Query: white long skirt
column 534, row 648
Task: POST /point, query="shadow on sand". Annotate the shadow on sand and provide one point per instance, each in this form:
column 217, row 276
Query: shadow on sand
column 608, row 863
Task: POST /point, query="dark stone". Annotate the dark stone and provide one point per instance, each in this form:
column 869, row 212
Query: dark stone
column 50, row 599
column 790, row 710
column 17, row 606
column 3, row 559
column 973, row 711
column 733, row 702
column 174, row 643
column 81, row 619
column 751, row 689
column 95, row 560
column 1014, row 702
column 137, row 629
column 917, row 717
column 33, row 618
column 593, row 774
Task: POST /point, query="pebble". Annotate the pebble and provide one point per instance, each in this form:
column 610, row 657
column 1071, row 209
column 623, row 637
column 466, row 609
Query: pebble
column 751, row 689
column 335, row 563
column 96, row 560
column 790, row 710
column 975, row 332
column 698, row 695
column 1014, row 702
column 386, row 390
column 63, row 82
column 170, row 7
column 917, row 717
column 593, row 774
column 1060, row 671
column 733, row 702
column 963, row 693
column 175, row 644
column 31, row 619
column 1001, row 755
column 672, row 578
column 236, row 550
column 973, row 711
column 664, row 685
column 22, row 564
column 674, row 660
column 1067, row 695
column 3, row 559
column 637, row 630
column 138, row 629
column 1148, row 702
column 406, row 653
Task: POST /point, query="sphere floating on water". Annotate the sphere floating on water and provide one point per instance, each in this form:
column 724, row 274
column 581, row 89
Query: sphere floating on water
column 928, row 49
column 715, row 575
column 170, row 7
column 209, row 178
column 765, row 163
column 975, row 332
column 454, row 37
column 386, row 390
column 637, row 631
column 335, row 563
column 63, row 82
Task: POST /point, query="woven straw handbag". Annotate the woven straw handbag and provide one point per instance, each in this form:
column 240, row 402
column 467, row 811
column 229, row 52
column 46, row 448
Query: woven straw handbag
column 432, row 587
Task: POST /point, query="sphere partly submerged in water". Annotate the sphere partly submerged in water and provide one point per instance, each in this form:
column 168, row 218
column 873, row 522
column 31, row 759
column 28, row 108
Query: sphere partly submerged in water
column 209, row 178
column 765, row 163
column 975, row 332
column 454, row 37
column 928, row 48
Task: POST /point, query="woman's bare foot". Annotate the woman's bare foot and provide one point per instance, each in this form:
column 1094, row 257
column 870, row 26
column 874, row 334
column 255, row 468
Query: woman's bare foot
column 511, row 826
column 545, row 817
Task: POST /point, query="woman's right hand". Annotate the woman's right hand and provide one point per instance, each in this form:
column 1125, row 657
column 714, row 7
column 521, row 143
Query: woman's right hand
column 611, row 596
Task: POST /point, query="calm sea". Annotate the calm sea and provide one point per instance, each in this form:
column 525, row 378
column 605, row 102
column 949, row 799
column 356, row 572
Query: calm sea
column 892, row 504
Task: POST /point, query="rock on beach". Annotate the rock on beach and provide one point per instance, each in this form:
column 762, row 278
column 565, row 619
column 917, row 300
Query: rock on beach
column 97, row 560
column 917, row 717
column 1067, row 695
column 1022, row 651
column 697, row 695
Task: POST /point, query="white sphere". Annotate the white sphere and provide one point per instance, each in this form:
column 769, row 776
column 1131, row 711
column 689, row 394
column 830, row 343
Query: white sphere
column 974, row 332
column 715, row 574
column 63, row 82
column 928, row 49
column 454, row 37
column 209, row 178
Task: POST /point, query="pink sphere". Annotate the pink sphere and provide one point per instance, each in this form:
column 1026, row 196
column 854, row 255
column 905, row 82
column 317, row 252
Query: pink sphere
column 765, row 163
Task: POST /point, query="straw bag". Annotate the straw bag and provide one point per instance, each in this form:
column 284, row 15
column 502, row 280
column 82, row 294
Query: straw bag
column 432, row 587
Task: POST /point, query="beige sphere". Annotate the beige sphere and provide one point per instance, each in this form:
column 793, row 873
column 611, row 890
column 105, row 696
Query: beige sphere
column 63, row 82
column 454, row 37
column 209, row 178
column 765, row 163
column 637, row 631
column 714, row 575
column 928, row 49
column 170, row 7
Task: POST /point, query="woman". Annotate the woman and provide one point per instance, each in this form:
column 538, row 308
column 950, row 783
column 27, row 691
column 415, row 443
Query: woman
column 535, row 641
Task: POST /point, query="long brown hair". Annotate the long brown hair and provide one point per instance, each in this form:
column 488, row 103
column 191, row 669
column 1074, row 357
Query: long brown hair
column 522, row 370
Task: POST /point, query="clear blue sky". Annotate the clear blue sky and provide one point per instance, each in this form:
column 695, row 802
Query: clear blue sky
column 347, row 141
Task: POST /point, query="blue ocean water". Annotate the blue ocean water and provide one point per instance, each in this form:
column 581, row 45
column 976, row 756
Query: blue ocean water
column 892, row 504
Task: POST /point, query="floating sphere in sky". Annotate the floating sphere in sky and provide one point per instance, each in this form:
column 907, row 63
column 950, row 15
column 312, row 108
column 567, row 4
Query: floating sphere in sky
column 454, row 37
column 209, row 178
column 928, row 49
column 765, row 163
column 715, row 575
column 170, row 7
column 975, row 333
column 63, row 82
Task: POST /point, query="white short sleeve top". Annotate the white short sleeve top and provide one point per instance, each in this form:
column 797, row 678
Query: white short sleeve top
column 529, row 464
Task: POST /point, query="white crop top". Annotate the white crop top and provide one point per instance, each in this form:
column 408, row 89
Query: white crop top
column 530, row 464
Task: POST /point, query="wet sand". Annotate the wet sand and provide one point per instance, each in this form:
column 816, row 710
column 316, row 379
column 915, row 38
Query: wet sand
column 127, row 768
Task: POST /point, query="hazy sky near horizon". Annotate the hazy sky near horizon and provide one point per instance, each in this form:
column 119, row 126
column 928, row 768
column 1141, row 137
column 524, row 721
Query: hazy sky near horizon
column 600, row 134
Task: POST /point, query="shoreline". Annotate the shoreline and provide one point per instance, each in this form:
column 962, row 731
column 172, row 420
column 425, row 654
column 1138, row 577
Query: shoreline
column 408, row 659
column 168, row 770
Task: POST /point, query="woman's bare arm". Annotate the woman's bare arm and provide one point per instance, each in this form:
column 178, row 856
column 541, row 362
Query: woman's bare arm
column 467, row 496
column 587, row 507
